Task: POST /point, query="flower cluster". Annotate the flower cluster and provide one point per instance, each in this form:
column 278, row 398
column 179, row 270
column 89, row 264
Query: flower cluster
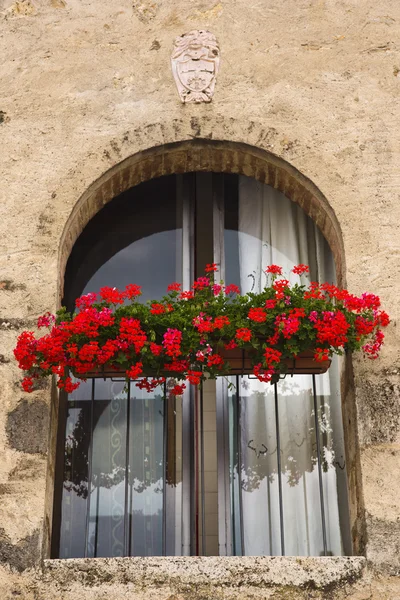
column 190, row 335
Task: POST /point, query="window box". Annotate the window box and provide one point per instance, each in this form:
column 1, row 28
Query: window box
column 240, row 361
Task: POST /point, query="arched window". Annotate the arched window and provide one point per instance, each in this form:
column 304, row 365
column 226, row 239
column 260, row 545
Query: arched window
column 242, row 469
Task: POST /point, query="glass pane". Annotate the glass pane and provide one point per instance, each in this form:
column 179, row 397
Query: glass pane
column 152, row 262
column 146, row 480
column 107, row 493
column 76, row 473
column 300, row 478
column 263, row 227
column 333, row 461
column 254, row 481
column 173, row 477
column 255, row 499
column 136, row 238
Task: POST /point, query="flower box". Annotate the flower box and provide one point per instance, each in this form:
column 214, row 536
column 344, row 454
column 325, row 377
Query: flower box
column 207, row 331
column 240, row 362
column 304, row 364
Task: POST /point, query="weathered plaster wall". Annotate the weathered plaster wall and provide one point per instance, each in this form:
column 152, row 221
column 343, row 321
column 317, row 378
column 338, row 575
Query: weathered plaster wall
column 86, row 84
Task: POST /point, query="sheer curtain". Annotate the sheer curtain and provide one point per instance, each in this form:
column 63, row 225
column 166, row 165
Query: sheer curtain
column 274, row 230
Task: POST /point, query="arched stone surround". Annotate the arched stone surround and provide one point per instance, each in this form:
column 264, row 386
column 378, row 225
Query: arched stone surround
column 201, row 154
column 204, row 155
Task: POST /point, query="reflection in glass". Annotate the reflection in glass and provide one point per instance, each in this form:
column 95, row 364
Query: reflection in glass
column 255, row 496
column 108, row 471
column 146, row 477
column 122, row 478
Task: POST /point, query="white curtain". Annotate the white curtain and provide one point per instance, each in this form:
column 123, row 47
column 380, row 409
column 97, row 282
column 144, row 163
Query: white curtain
column 274, row 230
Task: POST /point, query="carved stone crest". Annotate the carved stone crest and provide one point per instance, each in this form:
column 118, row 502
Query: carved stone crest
column 195, row 64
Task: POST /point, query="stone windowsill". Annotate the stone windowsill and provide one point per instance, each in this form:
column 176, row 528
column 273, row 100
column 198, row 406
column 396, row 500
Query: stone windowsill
column 181, row 573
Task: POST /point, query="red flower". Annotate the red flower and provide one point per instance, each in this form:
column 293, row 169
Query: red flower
column 280, row 285
column 107, row 352
column 314, row 292
column 157, row 309
column 216, row 288
column 230, row 345
column 149, row 386
column 131, row 332
column 27, row 384
column 372, row 348
column 232, row 289
column 383, row 318
column 215, row 360
column 258, row 315
column 270, row 303
column 135, row 370
column 178, row 390
column 46, row 320
column 243, row 334
column 133, row 290
column 69, row 387
column 321, row 354
column 24, row 352
column 194, row 377
column 203, row 323
column 112, row 295
column 272, row 356
column 211, row 267
column 172, row 342
column 174, row 287
column 262, row 375
column 274, row 270
column 300, row 269
column 362, row 326
column 155, row 349
column 186, row 296
column 221, row 322
column 85, row 301
column 201, row 283
column 176, row 366
column 332, row 328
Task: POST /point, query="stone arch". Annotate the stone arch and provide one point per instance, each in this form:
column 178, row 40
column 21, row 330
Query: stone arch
column 204, row 155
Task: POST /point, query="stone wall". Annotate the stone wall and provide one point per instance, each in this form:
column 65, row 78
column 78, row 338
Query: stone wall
column 306, row 99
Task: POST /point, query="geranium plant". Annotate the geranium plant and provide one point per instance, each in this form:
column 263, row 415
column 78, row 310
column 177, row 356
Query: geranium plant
column 185, row 335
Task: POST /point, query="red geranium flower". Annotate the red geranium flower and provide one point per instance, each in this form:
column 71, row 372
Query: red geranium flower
column 243, row 334
column 274, row 270
column 174, row 287
column 211, row 267
column 300, row 269
column 258, row 315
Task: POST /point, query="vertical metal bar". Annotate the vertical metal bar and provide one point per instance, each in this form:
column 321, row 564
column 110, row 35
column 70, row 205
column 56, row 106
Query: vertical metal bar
column 239, row 455
column 192, row 471
column 130, row 487
column 90, row 471
column 127, row 482
column 202, row 482
column 224, row 530
column 187, row 437
column 321, row 488
column 278, row 454
column 96, row 531
column 164, row 508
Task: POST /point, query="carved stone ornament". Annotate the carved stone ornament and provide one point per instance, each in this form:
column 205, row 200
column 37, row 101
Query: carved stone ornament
column 195, row 64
